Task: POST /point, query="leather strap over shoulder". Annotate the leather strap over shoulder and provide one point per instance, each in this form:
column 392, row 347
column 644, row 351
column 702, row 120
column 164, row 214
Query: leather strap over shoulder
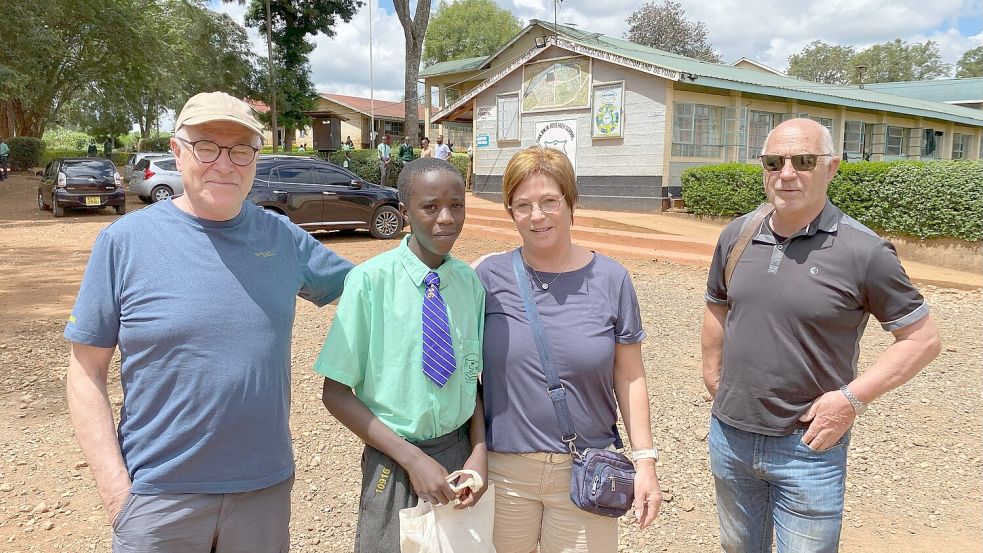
column 748, row 229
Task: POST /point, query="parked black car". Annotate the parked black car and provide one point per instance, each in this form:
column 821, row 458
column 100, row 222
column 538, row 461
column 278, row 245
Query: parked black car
column 81, row 183
column 317, row 195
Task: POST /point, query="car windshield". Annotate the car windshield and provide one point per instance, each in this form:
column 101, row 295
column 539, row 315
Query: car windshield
column 95, row 168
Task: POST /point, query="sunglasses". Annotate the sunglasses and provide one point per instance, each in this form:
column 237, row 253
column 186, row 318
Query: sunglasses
column 800, row 162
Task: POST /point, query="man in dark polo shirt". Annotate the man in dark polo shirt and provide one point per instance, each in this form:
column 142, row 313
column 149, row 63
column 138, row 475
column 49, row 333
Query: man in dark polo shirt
column 780, row 347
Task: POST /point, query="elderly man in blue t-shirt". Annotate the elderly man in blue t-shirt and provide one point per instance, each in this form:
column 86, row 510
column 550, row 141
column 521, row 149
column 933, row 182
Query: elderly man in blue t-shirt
column 201, row 309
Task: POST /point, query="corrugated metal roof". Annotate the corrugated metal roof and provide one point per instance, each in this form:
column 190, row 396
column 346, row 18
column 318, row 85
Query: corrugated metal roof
column 746, row 80
column 968, row 89
column 383, row 108
column 453, row 66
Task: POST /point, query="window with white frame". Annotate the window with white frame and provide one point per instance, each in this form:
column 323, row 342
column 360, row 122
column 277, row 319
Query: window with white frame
column 895, row 141
column 696, row 130
column 853, row 139
column 508, row 117
column 824, row 121
column 961, row 144
column 759, row 124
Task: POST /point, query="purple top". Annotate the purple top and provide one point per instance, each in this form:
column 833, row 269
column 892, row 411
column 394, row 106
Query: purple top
column 585, row 313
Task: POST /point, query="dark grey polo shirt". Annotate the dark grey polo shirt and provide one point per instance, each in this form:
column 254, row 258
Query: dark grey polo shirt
column 797, row 310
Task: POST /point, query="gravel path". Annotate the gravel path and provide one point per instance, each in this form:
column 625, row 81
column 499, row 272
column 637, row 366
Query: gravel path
column 914, row 479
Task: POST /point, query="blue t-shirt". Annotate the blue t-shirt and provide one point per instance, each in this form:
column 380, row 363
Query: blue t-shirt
column 585, row 312
column 202, row 313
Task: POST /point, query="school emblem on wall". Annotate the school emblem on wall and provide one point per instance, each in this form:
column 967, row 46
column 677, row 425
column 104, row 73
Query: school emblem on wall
column 607, row 110
column 559, row 135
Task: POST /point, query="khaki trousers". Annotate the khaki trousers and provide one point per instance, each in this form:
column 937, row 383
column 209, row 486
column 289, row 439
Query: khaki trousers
column 533, row 507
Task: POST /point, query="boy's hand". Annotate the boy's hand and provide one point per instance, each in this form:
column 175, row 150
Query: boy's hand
column 429, row 480
column 478, row 462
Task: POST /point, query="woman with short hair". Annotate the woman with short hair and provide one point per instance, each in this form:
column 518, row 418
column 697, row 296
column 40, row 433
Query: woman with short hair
column 591, row 318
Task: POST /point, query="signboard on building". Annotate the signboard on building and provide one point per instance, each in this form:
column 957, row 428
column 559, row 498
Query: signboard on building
column 607, row 110
column 482, row 140
column 556, row 84
column 559, row 135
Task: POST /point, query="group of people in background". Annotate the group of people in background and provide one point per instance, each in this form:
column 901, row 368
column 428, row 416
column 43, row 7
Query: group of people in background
column 433, row 364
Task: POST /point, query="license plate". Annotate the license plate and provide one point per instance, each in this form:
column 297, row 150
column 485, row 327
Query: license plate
column 93, row 200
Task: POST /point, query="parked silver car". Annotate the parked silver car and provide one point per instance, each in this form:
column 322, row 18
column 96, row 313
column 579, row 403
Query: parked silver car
column 136, row 157
column 154, row 180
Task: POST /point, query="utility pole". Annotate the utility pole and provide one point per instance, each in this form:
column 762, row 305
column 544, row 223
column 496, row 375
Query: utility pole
column 269, row 59
column 372, row 133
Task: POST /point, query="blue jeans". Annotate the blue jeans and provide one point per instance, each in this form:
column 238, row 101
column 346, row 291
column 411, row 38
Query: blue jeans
column 776, row 485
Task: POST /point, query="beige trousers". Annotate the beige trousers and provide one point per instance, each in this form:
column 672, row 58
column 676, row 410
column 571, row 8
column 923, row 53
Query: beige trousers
column 533, row 507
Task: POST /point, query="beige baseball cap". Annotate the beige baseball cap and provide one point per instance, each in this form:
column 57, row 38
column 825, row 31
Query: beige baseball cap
column 217, row 106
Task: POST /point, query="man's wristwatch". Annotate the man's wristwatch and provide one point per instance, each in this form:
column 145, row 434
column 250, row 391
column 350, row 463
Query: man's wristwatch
column 858, row 406
column 639, row 454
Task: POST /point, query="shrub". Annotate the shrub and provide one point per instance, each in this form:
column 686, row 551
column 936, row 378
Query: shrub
column 119, row 158
column 156, row 144
column 725, row 189
column 920, row 199
column 60, row 138
column 366, row 164
column 25, row 152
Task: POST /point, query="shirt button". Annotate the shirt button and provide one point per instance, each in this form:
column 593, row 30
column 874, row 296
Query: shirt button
column 781, row 247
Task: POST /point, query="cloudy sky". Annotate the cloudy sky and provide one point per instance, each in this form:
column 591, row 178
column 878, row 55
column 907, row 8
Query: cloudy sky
column 768, row 31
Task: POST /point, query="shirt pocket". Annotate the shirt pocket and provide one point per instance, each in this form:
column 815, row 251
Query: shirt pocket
column 468, row 358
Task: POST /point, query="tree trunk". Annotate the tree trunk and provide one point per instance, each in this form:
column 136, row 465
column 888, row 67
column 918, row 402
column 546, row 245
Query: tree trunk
column 288, row 138
column 414, row 30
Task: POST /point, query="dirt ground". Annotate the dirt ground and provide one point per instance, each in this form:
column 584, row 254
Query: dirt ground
column 914, row 481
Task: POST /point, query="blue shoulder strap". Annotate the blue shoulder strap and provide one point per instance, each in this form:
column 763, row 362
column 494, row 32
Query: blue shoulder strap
column 555, row 389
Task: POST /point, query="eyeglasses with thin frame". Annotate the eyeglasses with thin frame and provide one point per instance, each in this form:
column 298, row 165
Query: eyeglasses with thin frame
column 800, row 162
column 546, row 205
column 207, row 151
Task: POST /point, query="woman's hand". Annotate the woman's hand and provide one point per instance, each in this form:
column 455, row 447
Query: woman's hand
column 648, row 495
column 478, row 462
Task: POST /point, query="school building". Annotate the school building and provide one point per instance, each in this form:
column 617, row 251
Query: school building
column 633, row 118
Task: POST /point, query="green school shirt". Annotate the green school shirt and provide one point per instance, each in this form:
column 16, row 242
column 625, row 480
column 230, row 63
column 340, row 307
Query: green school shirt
column 375, row 344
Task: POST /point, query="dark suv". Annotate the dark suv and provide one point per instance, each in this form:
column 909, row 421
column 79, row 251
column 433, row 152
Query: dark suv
column 317, row 195
column 81, row 183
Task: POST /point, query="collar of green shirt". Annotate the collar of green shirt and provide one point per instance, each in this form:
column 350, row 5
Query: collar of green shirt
column 417, row 269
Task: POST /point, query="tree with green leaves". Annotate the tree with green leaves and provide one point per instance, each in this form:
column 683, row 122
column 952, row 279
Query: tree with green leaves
column 414, row 31
column 899, row 61
column 823, row 63
column 664, row 26
column 971, row 63
column 891, row 61
column 291, row 23
column 468, row 29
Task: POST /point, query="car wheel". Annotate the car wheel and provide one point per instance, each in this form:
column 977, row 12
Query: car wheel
column 160, row 193
column 386, row 223
column 41, row 205
column 145, row 199
column 57, row 209
column 120, row 209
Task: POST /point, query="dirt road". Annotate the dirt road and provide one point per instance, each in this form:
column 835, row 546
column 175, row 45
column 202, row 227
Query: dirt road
column 914, row 480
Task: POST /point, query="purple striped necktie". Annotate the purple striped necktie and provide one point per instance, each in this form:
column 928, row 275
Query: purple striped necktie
column 438, row 352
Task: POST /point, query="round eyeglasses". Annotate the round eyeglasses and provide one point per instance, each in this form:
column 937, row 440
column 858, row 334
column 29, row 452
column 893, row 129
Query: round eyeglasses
column 207, row 151
column 546, row 206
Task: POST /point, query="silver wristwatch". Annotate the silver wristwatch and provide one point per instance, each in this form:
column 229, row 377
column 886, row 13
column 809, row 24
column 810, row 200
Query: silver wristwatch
column 858, row 406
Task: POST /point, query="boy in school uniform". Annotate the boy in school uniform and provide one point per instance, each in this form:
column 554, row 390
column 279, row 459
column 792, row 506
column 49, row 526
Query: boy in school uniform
column 406, row 337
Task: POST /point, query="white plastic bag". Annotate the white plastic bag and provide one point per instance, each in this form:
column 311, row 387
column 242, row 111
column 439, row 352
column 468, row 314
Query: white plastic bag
column 429, row 528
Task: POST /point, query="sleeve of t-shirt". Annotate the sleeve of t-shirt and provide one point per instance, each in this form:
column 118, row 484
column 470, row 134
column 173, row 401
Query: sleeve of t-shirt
column 716, row 285
column 628, row 327
column 95, row 318
column 324, row 270
column 345, row 352
column 889, row 294
column 481, row 319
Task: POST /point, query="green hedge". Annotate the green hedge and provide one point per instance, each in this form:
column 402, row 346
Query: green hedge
column 119, row 158
column 366, row 164
column 25, row 152
column 156, row 144
column 931, row 199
